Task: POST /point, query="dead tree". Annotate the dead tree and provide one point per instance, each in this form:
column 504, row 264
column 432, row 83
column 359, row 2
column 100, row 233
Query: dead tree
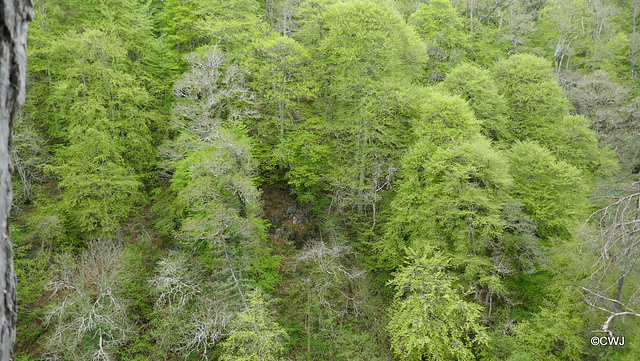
column 613, row 237
column 13, row 38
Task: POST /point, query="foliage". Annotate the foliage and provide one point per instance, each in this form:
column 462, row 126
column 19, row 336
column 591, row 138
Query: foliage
column 476, row 86
column 99, row 190
column 439, row 25
column 430, row 319
column 254, row 336
column 450, row 146
column 365, row 56
column 552, row 191
column 552, row 334
column 534, row 98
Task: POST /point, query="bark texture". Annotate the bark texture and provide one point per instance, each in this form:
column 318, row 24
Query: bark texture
column 14, row 15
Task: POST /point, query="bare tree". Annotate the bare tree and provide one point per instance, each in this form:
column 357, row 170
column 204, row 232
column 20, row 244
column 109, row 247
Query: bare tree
column 613, row 238
column 13, row 58
column 331, row 283
column 89, row 318
column 519, row 16
column 195, row 307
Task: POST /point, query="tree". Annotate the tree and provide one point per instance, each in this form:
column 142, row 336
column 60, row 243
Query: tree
column 280, row 81
column 634, row 42
column 220, row 234
column 99, row 189
column 562, row 31
column 15, row 15
column 611, row 234
column 29, row 156
column 612, row 113
column 552, row 334
column 194, row 306
column 535, row 102
column 331, row 285
column 440, row 27
column 429, row 319
column 365, row 57
column 254, row 336
column 95, row 90
column 574, row 141
column 89, row 315
column 476, row 86
column 552, row 191
column 452, row 187
column 520, row 16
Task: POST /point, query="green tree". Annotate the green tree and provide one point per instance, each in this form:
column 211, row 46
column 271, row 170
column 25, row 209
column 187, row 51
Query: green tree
column 452, row 186
column 538, row 111
column 99, row 189
column 535, row 103
column 574, row 141
column 552, row 334
column 254, row 336
column 552, row 191
column 365, row 57
column 280, row 80
column 429, row 319
column 476, row 86
column 440, row 27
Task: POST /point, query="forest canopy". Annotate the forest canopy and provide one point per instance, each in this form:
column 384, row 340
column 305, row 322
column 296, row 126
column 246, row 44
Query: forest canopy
column 329, row 180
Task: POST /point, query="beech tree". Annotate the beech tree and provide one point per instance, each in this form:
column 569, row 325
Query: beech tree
column 362, row 85
column 476, row 86
column 100, row 190
column 449, row 163
column 440, row 27
column 552, row 191
column 254, row 335
column 535, row 102
column 429, row 318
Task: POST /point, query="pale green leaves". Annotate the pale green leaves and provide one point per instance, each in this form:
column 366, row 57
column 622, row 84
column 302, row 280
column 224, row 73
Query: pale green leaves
column 430, row 319
column 254, row 336
column 552, row 191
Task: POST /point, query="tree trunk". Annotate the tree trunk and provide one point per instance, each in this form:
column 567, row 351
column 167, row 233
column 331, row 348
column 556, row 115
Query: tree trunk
column 14, row 15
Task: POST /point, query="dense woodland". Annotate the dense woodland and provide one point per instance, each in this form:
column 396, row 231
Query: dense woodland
column 329, row 180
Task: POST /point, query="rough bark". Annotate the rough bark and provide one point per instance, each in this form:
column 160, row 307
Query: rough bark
column 14, row 15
